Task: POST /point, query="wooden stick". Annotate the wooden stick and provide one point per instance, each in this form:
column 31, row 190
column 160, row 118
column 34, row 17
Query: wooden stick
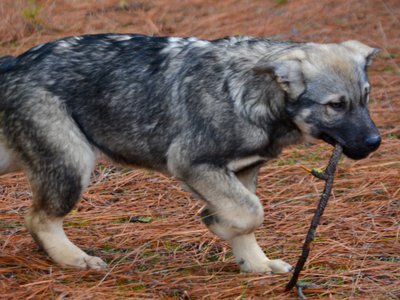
column 328, row 175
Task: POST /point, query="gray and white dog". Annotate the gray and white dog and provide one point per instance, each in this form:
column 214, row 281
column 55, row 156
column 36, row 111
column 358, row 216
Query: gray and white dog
column 207, row 112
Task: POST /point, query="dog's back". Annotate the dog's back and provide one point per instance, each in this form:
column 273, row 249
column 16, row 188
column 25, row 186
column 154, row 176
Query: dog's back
column 123, row 91
column 7, row 63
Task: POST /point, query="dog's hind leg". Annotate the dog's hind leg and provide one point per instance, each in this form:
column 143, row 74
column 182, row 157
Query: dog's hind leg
column 57, row 185
column 47, row 230
column 56, row 188
column 58, row 161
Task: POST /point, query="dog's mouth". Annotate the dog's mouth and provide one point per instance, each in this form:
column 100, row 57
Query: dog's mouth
column 328, row 139
column 351, row 153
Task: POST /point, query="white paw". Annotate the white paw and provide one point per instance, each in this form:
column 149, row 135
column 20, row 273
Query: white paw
column 94, row 262
column 274, row 266
column 251, row 258
column 72, row 256
column 83, row 262
column 260, row 267
column 278, row 266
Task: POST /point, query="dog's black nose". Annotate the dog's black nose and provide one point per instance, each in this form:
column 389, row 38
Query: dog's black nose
column 373, row 141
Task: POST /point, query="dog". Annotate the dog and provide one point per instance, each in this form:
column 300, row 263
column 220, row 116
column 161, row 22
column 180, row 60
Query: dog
column 208, row 112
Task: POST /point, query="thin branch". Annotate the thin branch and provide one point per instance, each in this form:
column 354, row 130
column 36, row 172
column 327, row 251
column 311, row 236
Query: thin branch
column 328, row 175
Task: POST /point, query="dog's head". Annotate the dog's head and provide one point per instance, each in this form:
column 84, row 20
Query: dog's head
column 327, row 92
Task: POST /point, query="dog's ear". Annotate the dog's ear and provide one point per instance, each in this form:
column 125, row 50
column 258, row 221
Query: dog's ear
column 287, row 73
column 367, row 52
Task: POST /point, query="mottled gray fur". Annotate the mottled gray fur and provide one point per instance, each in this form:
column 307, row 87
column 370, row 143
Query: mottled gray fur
column 207, row 112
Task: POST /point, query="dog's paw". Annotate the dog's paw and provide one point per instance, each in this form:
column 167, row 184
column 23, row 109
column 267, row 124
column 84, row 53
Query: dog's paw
column 94, row 262
column 84, row 262
column 278, row 266
column 274, row 266
column 248, row 267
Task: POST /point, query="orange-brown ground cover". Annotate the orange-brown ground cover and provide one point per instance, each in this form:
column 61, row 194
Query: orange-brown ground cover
column 170, row 254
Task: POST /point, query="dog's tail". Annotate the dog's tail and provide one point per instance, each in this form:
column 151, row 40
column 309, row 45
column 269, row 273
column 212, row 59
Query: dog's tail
column 7, row 62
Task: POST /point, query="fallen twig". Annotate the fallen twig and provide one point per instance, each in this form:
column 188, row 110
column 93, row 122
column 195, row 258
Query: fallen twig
column 328, row 176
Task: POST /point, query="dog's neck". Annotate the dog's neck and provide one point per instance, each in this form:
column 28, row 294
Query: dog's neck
column 282, row 133
column 258, row 104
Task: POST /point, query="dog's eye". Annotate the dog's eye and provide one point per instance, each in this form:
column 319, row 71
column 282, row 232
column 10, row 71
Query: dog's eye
column 337, row 105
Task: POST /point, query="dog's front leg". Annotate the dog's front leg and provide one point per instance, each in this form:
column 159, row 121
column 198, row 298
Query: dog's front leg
column 245, row 246
column 251, row 258
column 233, row 213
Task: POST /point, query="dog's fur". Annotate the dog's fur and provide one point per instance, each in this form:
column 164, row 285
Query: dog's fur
column 207, row 112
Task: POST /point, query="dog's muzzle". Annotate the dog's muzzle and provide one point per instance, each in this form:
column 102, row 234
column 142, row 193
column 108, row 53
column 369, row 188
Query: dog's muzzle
column 370, row 144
